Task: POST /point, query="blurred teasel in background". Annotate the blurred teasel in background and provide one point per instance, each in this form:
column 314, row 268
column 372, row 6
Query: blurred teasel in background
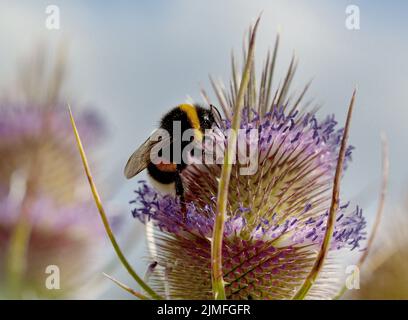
column 45, row 220
column 280, row 233
column 385, row 275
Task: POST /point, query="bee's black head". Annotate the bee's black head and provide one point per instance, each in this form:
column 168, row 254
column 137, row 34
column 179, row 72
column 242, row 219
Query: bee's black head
column 205, row 117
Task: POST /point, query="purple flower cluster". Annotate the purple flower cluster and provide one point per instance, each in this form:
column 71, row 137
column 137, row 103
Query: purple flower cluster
column 22, row 121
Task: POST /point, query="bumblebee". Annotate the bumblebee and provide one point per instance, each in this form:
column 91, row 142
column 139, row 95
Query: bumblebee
column 165, row 175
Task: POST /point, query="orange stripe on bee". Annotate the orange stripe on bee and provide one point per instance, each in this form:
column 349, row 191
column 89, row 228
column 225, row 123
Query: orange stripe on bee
column 166, row 167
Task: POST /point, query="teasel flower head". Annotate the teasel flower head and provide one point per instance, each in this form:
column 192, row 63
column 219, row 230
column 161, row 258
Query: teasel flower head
column 44, row 218
column 279, row 232
column 275, row 223
column 27, row 132
column 276, row 217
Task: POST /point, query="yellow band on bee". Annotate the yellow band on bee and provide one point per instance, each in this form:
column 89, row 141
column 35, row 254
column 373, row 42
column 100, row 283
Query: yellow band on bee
column 192, row 116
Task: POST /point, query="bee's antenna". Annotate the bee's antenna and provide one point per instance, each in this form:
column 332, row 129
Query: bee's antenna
column 217, row 116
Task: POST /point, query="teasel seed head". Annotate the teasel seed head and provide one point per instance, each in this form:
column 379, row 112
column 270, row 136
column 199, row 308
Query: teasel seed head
column 276, row 217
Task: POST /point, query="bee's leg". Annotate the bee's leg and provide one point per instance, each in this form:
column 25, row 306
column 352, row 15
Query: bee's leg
column 179, row 187
column 180, row 193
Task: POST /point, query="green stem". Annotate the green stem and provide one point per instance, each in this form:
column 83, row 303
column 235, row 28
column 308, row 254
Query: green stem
column 126, row 288
column 19, row 242
column 16, row 257
column 322, row 254
column 380, row 209
column 103, row 216
column 222, row 198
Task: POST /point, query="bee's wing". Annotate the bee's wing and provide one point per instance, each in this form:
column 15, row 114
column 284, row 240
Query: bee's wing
column 140, row 159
